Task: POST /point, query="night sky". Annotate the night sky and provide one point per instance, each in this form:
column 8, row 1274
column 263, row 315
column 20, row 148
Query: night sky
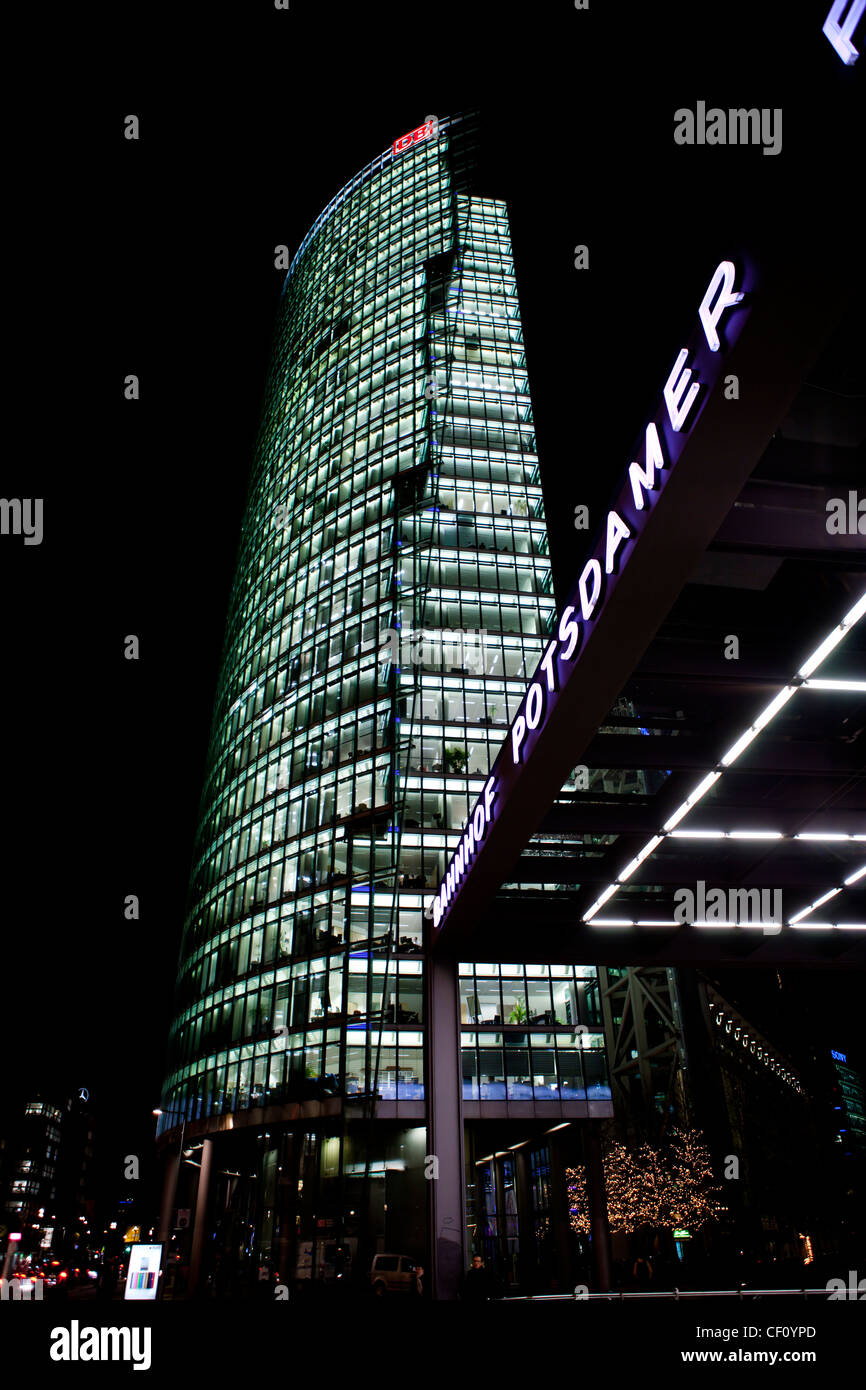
column 157, row 257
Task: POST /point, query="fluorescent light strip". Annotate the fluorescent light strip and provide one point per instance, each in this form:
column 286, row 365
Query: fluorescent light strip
column 853, row 687
column 600, row 902
column 772, row 709
column 640, row 857
column 691, row 800
column 679, row 814
column 827, row 926
column 739, row 747
column 826, row 835
column 835, row 637
column 762, row 835
column 702, row 788
column 768, row 713
column 819, row 902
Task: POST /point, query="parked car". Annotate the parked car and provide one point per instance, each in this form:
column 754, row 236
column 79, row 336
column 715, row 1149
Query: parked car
column 392, row 1274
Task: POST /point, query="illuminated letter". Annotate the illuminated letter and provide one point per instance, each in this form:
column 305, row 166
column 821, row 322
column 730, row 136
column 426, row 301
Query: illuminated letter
column 489, row 793
column 459, row 865
column 478, row 823
column 547, row 664
column 517, row 737
column 592, row 567
column 533, row 717
column 616, row 532
column 840, row 37
column 469, row 843
column 644, row 478
column 674, row 388
column 724, row 276
column 437, row 912
column 569, row 633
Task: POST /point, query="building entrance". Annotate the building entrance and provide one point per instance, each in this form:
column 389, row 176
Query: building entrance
column 517, row 1206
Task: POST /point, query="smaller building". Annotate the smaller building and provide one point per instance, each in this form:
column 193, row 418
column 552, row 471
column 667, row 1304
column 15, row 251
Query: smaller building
column 30, row 1177
column 849, row 1106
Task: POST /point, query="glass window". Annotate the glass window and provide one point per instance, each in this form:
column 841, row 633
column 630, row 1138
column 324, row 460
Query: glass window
column 489, row 1008
column 491, row 1073
column 570, row 1074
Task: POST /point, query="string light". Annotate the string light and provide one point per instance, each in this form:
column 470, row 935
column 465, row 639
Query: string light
column 669, row 1187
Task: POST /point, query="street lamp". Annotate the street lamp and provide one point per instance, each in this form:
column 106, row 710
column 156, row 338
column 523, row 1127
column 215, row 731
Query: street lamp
column 13, row 1239
column 171, row 1183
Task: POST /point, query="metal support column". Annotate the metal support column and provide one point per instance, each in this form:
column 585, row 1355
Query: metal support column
column 169, row 1192
column 597, row 1205
column 200, row 1214
column 445, row 1129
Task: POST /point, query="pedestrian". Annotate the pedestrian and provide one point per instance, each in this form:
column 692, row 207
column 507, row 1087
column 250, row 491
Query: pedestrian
column 476, row 1285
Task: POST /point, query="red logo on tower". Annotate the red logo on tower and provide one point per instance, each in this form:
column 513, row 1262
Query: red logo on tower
column 423, row 132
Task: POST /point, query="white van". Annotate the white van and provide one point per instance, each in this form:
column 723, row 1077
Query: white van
column 392, row 1274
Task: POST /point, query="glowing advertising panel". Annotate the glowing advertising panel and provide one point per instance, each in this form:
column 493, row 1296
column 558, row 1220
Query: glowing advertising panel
column 142, row 1277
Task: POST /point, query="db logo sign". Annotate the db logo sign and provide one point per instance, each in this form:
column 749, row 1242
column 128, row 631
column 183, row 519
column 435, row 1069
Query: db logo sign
column 405, row 142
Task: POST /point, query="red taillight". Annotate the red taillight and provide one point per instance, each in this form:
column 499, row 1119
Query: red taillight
column 62, row 1274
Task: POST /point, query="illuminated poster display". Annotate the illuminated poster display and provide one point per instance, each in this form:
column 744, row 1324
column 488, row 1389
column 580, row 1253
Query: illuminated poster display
column 142, row 1277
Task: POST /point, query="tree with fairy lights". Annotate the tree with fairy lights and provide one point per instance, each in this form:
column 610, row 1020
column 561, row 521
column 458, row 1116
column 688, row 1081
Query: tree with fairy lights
column 660, row 1188
column 691, row 1192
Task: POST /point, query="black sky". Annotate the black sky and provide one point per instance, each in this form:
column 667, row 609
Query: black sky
column 156, row 257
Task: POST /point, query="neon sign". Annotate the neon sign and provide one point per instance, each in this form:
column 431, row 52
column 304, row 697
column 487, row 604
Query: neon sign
column 644, row 483
column 842, row 34
column 423, row 132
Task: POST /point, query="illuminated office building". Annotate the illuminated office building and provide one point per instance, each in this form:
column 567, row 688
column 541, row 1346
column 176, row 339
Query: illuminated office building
column 391, row 596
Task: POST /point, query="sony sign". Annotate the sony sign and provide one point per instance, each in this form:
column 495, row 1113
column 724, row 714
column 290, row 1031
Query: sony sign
column 676, row 414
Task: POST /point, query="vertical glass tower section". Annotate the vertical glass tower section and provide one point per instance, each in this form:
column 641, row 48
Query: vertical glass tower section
column 390, row 600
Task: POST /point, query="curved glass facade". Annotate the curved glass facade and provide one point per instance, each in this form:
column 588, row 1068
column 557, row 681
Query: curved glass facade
column 391, row 598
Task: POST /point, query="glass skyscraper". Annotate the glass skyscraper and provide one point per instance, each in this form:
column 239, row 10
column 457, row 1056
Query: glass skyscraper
column 391, row 598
